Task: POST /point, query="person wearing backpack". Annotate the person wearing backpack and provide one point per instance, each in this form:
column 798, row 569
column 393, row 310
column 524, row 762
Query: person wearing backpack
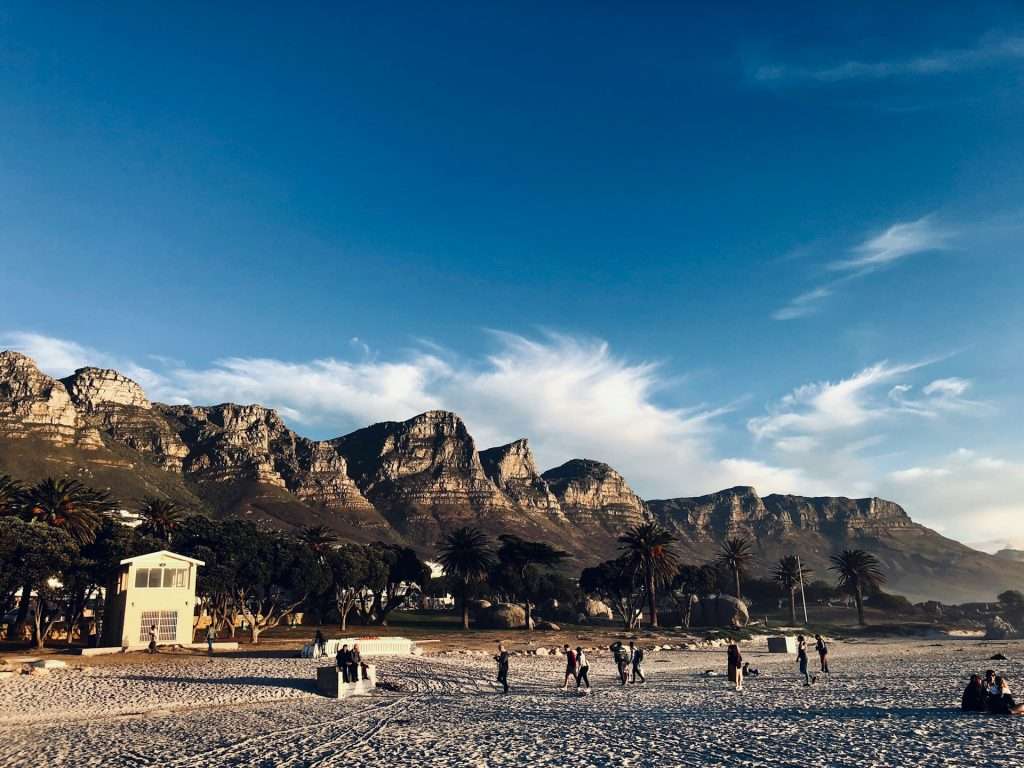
column 636, row 657
column 621, row 660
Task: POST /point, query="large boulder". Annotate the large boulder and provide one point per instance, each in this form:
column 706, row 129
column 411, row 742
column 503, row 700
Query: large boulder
column 596, row 609
column 477, row 607
column 999, row 629
column 719, row 611
column 502, row 616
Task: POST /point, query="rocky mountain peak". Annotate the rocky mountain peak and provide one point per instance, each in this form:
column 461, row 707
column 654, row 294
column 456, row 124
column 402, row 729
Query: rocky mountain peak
column 591, row 493
column 34, row 404
column 93, row 388
column 513, row 469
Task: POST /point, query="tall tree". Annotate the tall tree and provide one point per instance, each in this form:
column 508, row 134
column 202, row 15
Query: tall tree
column 647, row 548
column 616, row 582
column 693, row 581
column 465, row 555
column 518, row 558
column 68, row 504
column 857, row 572
column 404, row 573
column 788, row 572
column 736, row 555
column 350, row 573
column 160, row 518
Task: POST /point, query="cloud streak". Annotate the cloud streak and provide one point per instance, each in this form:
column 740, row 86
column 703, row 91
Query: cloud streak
column 988, row 52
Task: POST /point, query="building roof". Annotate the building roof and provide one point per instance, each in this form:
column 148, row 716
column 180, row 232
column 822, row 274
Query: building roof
column 162, row 553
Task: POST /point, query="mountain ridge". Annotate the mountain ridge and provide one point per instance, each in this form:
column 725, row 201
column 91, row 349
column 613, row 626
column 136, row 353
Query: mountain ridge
column 412, row 480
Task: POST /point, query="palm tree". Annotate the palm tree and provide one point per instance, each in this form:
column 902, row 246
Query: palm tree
column 70, row 505
column 66, row 504
column 11, row 496
column 788, row 573
column 647, row 549
column 737, row 556
column 160, row 517
column 857, row 571
column 320, row 539
column 465, row 555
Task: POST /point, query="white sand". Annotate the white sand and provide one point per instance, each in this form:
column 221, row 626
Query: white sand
column 886, row 704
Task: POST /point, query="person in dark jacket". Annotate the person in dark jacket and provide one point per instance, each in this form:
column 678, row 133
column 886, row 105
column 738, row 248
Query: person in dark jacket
column 636, row 659
column 502, row 660
column 344, row 659
column 801, row 657
column 974, row 696
column 355, row 662
column 822, row 649
column 570, row 666
column 621, row 660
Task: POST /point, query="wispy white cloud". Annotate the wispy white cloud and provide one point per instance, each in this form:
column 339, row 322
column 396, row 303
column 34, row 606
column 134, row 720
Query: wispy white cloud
column 895, row 243
column 825, row 407
column 991, row 50
column 898, row 242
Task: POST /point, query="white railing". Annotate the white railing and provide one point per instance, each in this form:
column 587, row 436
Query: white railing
column 368, row 646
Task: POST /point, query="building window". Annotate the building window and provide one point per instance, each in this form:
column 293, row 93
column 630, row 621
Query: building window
column 141, row 578
column 166, row 625
column 165, row 578
column 175, row 578
column 154, row 577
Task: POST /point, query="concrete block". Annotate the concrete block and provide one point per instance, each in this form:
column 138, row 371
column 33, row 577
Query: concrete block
column 782, row 644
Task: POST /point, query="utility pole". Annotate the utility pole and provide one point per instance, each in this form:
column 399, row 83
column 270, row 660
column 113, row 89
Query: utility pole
column 803, row 597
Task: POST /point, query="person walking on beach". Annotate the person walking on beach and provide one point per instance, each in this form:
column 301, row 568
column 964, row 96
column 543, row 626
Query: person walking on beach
column 801, row 657
column 321, row 644
column 582, row 671
column 211, row 635
column 570, row 666
column 621, row 660
column 636, row 658
column 152, row 638
column 735, row 665
column 822, row 649
column 502, row 660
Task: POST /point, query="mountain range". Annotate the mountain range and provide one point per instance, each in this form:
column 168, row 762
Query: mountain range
column 410, row 481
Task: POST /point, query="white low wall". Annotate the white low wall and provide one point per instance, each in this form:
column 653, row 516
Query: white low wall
column 370, row 646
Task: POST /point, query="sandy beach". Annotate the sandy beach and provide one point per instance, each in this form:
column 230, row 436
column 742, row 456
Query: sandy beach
column 886, row 703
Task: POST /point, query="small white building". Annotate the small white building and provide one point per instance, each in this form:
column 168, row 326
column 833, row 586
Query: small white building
column 158, row 589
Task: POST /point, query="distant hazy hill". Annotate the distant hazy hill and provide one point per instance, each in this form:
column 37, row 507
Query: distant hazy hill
column 410, row 481
column 1016, row 555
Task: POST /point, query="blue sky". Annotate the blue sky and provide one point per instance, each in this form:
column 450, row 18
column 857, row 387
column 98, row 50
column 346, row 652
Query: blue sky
column 709, row 246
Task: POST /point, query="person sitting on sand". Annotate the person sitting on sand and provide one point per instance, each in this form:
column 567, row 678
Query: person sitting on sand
column 344, row 660
column 321, row 644
column 636, row 658
column 356, row 665
column 974, row 696
column 801, row 657
column 502, row 659
column 735, row 665
column 822, row 649
column 749, row 671
column 1002, row 702
column 582, row 670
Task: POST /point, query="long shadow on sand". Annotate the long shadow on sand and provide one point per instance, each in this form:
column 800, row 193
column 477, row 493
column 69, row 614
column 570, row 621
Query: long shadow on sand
column 874, row 713
column 308, row 686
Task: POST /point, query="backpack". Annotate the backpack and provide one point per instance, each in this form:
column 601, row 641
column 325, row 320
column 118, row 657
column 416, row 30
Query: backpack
column 638, row 655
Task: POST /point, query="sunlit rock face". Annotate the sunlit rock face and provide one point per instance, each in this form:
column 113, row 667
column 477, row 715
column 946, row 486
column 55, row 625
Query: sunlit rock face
column 593, row 494
column 513, row 470
column 33, row 404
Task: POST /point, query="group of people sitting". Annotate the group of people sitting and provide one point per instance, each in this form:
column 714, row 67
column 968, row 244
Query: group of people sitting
column 990, row 695
column 350, row 662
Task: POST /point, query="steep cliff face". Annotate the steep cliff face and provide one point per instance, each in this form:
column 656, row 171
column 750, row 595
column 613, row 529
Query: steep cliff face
column 33, row 404
column 117, row 407
column 593, row 495
column 424, row 474
column 513, row 470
